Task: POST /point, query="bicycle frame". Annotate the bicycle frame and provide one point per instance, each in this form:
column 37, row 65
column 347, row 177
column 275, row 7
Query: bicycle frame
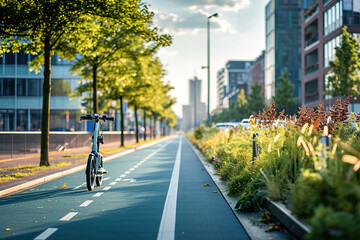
column 95, row 145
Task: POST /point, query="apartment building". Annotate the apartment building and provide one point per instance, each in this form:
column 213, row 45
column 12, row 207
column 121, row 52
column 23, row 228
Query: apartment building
column 322, row 23
column 230, row 80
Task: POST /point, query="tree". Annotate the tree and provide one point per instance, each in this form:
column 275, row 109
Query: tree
column 256, row 99
column 284, row 92
column 344, row 79
column 37, row 26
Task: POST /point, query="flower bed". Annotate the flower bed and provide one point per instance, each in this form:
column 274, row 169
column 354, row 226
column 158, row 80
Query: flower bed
column 318, row 183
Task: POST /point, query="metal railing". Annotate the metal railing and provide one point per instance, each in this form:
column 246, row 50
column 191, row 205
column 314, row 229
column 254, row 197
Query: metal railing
column 24, row 143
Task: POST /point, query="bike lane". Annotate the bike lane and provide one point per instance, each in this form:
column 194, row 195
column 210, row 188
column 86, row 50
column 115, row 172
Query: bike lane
column 129, row 205
column 130, row 195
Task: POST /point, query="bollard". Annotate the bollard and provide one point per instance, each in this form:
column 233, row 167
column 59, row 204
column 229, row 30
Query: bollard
column 325, row 146
column 255, row 148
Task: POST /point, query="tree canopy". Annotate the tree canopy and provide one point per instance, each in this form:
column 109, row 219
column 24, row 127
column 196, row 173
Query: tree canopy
column 344, row 79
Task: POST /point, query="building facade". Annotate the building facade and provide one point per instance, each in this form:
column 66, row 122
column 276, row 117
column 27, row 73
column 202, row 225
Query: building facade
column 194, row 114
column 230, row 80
column 257, row 70
column 322, row 22
column 21, row 95
column 283, row 44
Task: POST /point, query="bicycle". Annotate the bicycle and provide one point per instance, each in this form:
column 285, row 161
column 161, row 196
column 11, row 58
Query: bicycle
column 95, row 165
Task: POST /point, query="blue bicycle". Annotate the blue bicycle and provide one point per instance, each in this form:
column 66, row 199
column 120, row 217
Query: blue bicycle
column 95, row 165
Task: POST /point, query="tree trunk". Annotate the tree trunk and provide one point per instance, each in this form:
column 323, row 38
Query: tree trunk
column 154, row 131
column 136, row 124
column 121, row 122
column 44, row 155
column 95, row 96
column 144, row 125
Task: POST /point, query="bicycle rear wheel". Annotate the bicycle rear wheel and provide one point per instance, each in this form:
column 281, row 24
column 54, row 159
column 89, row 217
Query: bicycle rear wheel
column 90, row 173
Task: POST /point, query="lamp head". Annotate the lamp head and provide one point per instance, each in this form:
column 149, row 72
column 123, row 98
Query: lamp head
column 214, row 15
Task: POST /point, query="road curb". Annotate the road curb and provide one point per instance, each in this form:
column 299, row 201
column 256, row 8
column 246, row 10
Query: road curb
column 253, row 231
column 296, row 227
column 48, row 178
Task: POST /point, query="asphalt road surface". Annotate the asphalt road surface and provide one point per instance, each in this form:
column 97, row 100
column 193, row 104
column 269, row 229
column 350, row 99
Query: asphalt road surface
column 154, row 193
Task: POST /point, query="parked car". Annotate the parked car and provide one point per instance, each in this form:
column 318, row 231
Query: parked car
column 245, row 123
column 226, row 126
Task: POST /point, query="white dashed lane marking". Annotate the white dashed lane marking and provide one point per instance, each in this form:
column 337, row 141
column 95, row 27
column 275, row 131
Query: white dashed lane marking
column 86, row 203
column 68, row 216
column 118, row 179
column 124, row 175
column 47, row 233
column 98, row 194
column 113, row 183
column 106, row 188
column 127, row 172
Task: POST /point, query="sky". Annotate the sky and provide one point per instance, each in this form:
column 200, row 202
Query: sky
column 237, row 34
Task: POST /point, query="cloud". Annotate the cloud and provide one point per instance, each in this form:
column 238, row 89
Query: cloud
column 221, row 5
column 190, row 22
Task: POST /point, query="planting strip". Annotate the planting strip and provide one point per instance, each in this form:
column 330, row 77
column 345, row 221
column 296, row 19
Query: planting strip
column 246, row 219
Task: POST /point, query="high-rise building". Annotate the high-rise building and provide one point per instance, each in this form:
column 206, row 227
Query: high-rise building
column 322, row 23
column 194, row 113
column 231, row 80
column 283, row 44
column 21, row 95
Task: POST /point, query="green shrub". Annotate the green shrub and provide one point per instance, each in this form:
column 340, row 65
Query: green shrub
column 252, row 197
column 311, row 190
column 329, row 224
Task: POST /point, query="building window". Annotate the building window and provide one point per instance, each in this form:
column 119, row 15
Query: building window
column 35, row 120
column 311, row 91
column 311, row 34
column 311, row 62
column 6, row 120
column 333, row 18
column 21, row 87
column 21, row 120
column 9, row 58
column 34, row 87
column 329, row 50
column 8, row 87
column 61, row 87
column 22, row 58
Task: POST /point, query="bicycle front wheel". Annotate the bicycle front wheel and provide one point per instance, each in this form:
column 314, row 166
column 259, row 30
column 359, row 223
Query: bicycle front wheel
column 90, row 173
column 99, row 177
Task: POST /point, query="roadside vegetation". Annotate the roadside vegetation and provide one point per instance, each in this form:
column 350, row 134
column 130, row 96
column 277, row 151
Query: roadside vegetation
column 319, row 183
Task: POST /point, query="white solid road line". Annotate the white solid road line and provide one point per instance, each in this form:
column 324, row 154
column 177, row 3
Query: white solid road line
column 86, row 203
column 47, row 233
column 68, row 216
column 167, row 225
column 106, row 188
column 98, row 194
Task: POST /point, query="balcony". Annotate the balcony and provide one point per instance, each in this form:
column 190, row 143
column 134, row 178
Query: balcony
column 311, row 68
column 311, row 11
column 311, row 34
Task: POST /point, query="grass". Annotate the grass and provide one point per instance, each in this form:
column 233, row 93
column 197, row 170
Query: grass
column 9, row 174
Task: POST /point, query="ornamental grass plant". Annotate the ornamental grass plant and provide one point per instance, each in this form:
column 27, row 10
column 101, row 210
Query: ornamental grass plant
column 293, row 165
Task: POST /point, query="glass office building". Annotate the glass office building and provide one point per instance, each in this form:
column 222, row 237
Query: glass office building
column 283, row 44
column 21, row 95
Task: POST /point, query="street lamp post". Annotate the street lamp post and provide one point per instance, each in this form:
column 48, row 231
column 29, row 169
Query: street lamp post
column 208, row 65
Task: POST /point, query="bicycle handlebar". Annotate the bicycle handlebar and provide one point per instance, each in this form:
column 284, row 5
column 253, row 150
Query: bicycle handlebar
column 96, row 117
